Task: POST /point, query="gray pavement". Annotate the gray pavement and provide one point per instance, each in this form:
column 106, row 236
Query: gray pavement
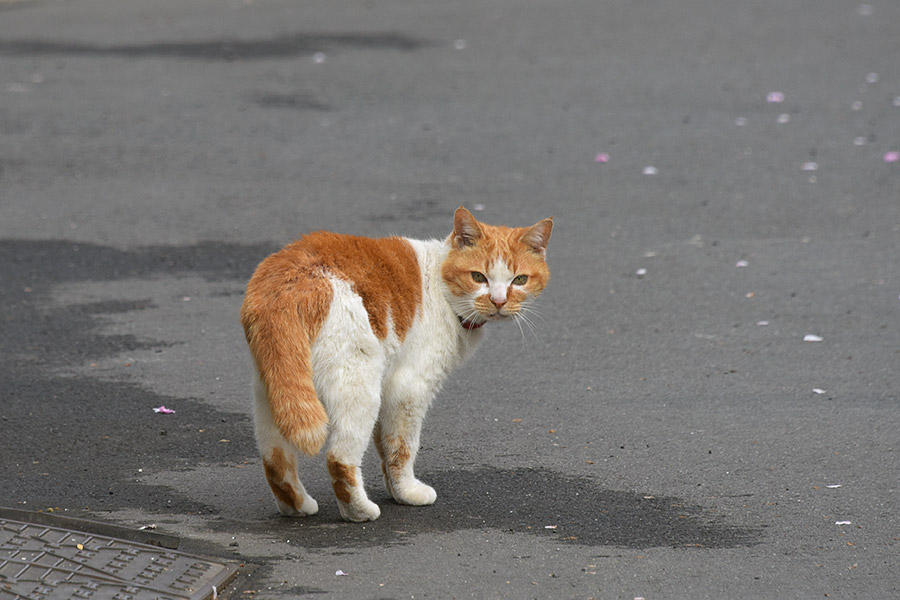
column 724, row 185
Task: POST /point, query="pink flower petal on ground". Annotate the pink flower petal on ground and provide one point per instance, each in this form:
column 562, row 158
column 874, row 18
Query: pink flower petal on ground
column 891, row 157
column 163, row 410
column 603, row 157
column 775, row 97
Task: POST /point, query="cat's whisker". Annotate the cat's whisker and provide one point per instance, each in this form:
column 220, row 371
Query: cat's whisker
column 525, row 314
column 528, row 322
column 531, row 309
column 517, row 319
column 522, row 318
column 470, row 314
column 466, row 313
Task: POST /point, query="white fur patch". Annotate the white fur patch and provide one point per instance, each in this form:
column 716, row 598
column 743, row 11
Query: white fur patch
column 499, row 278
column 350, row 395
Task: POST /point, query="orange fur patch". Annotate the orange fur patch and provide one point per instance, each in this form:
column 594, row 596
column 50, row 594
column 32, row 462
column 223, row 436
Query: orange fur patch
column 278, row 469
column 394, row 453
column 343, row 478
column 285, row 305
column 384, row 272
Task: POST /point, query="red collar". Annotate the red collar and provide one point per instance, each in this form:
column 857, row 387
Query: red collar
column 470, row 325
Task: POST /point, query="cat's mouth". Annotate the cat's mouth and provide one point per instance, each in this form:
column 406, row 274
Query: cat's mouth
column 480, row 319
column 470, row 325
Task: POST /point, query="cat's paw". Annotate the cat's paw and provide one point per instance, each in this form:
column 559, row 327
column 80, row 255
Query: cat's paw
column 414, row 493
column 309, row 508
column 360, row 510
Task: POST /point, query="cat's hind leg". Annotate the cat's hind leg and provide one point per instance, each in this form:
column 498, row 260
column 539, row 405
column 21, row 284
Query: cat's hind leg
column 348, row 366
column 396, row 438
column 347, row 442
column 352, row 401
column 279, row 461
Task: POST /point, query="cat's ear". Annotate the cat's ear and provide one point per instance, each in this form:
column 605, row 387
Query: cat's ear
column 537, row 236
column 466, row 230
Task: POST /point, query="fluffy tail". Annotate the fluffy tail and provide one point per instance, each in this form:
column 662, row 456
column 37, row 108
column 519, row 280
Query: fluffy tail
column 279, row 334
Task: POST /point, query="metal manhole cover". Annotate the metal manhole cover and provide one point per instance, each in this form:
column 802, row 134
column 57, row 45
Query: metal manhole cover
column 48, row 562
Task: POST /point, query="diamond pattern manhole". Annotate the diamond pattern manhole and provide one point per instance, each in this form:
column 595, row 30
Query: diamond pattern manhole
column 50, row 562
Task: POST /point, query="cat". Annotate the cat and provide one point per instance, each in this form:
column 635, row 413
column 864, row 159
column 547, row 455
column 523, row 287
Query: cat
column 352, row 337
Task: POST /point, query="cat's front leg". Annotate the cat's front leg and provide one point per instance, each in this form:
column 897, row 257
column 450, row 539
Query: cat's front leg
column 396, row 437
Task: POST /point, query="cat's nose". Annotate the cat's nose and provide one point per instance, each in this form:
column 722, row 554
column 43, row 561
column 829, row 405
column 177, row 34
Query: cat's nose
column 498, row 296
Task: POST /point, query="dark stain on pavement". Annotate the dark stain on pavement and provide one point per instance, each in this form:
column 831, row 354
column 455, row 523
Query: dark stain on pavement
column 283, row 46
column 578, row 510
column 532, row 501
column 59, row 433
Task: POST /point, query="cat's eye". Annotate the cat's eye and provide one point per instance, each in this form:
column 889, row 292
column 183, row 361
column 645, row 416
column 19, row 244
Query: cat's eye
column 479, row 277
column 520, row 279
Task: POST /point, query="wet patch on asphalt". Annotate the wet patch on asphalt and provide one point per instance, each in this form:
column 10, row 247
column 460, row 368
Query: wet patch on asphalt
column 537, row 502
column 79, row 442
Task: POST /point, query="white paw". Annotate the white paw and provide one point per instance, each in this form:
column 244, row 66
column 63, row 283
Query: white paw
column 414, row 493
column 359, row 510
column 310, row 507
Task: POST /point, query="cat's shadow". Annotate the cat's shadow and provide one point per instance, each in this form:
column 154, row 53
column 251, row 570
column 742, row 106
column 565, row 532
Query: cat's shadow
column 519, row 501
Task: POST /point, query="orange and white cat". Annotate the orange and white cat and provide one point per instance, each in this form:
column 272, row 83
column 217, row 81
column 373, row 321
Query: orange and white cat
column 352, row 337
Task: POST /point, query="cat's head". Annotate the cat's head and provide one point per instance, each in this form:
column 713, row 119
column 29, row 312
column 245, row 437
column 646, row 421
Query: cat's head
column 493, row 272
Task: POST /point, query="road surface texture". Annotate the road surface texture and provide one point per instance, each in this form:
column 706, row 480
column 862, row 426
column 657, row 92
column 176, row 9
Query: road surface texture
column 708, row 407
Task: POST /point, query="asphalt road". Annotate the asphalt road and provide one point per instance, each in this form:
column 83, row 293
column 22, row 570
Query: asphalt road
column 722, row 179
